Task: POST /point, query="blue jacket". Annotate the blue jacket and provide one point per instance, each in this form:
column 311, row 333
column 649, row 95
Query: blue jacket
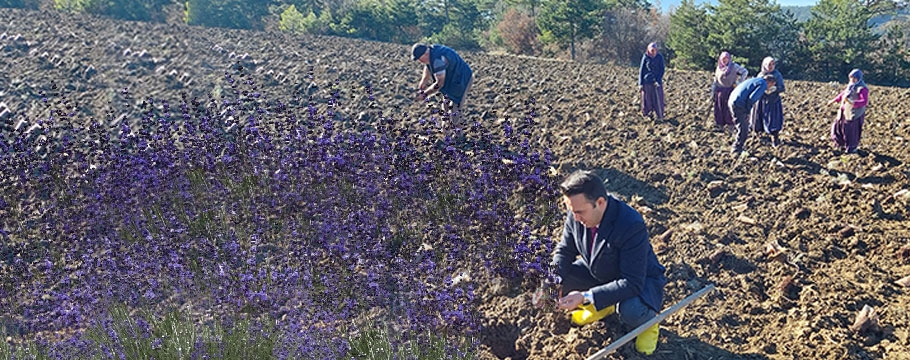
column 458, row 73
column 651, row 69
column 747, row 93
column 623, row 260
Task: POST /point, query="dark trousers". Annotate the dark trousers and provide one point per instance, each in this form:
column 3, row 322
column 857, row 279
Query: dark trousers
column 741, row 117
column 632, row 312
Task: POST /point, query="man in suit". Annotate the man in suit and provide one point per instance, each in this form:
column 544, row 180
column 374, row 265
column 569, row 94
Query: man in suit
column 605, row 260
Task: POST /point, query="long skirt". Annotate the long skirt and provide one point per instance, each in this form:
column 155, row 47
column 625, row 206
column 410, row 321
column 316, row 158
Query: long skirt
column 722, row 114
column 652, row 100
column 768, row 115
column 845, row 133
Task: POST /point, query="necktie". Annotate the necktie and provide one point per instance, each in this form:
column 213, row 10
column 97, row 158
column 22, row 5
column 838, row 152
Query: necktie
column 593, row 236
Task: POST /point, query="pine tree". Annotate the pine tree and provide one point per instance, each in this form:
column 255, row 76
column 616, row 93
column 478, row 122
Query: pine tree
column 838, row 37
column 566, row 22
column 687, row 37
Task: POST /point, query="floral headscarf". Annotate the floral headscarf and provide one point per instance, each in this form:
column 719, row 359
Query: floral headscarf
column 766, row 65
column 852, row 87
column 725, row 68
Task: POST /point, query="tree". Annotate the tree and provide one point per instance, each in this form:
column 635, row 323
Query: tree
column 626, row 32
column 688, row 32
column 566, row 22
column 838, row 38
column 891, row 60
column 751, row 29
column 366, row 20
column 403, row 17
column 519, row 32
column 464, row 22
column 236, row 14
column 531, row 5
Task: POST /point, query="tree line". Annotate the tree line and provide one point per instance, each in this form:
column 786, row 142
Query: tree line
column 838, row 36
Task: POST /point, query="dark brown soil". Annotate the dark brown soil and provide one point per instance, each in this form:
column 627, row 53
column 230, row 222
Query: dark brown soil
column 840, row 230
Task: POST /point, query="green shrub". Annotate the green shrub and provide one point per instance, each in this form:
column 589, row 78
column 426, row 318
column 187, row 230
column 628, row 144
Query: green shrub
column 453, row 37
column 292, row 20
column 72, row 5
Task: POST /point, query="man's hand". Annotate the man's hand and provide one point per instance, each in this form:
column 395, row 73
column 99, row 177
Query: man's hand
column 421, row 95
column 571, row 301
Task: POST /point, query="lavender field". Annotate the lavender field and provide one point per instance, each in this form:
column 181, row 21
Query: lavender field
column 169, row 191
column 276, row 215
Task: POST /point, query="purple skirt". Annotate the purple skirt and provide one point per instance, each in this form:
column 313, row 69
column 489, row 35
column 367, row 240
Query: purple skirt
column 845, row 133
column 722, row 114
column 652, row 100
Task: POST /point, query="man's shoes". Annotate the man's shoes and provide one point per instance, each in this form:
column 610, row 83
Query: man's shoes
column 646, row 342
column 775, row 141
column 587, row 314
column 736, row 150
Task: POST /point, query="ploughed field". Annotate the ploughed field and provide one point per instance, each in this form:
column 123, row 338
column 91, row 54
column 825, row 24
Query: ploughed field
column 797, row 239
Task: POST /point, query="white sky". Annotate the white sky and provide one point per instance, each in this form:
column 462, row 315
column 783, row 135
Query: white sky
column 666, row 4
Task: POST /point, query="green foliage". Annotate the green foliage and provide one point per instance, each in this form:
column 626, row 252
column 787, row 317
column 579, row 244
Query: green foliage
column 750, row 29
column 149, row 10
column 375, row 341
column 463, row 23
column 366, row 20
column 518, row 33
column 403, row 18
column 567, row 22
column 21, row 4
column 292, row 20
column 530, row 5
column 688, row 31
column 174, row 336
column 891, row 61
column 72, row 5
column 236, row 14
column 838, row 38
column 451, row 36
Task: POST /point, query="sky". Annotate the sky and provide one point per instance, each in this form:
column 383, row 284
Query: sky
column 666, row 4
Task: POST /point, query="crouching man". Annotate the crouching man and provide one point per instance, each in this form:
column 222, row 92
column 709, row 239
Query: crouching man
column 605, row 260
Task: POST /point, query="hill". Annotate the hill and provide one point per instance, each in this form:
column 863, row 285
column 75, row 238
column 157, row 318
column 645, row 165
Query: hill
column 797, row 239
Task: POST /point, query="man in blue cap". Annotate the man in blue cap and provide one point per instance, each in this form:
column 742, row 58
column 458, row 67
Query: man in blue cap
column 453, row 77
column 746, row 94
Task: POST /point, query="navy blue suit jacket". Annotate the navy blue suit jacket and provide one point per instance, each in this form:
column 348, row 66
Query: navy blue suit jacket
column 624, row 262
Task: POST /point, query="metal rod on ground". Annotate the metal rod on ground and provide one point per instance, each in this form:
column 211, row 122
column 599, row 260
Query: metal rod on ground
column 660, row 317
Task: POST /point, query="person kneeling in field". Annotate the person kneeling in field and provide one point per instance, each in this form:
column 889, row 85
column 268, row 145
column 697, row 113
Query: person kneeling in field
column 605, row 260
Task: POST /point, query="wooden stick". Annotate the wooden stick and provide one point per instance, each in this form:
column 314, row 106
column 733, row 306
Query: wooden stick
column 660, row 317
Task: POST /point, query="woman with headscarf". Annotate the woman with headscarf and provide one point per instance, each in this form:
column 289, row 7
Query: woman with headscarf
column 650, row 82
column 848, row 126
column 726, row 76
column 768, row 113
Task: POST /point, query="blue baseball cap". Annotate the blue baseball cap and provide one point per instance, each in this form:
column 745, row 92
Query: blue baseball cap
column 418, row 50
